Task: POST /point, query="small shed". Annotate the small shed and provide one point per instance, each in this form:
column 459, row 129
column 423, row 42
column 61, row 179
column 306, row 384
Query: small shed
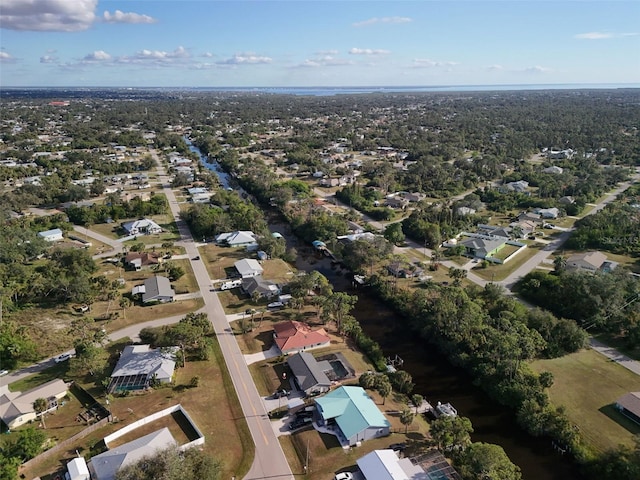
column 77, row 470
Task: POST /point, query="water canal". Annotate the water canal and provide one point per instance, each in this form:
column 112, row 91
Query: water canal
column 435, row 379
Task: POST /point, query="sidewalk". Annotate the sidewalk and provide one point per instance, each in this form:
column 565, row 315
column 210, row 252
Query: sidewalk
column 615, row 355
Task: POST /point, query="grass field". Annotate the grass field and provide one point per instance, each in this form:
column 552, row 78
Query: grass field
column 587, row 384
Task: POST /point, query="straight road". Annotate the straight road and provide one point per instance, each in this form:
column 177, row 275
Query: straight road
column 270, row 461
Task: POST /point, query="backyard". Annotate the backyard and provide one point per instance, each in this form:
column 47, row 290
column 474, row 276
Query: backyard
column 587, row 384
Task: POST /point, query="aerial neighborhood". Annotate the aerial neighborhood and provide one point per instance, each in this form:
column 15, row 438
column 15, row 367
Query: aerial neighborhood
column 250, row 285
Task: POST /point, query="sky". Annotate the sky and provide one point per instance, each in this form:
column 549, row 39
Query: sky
column 297, row 43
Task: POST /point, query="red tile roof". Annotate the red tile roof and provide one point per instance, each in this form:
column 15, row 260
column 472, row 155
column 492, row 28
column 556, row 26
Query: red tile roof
column 293, row 336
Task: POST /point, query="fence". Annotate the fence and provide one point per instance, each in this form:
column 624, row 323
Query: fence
column 65, row 443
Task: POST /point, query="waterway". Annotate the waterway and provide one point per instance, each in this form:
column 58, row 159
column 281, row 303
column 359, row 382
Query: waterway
column 435, row 379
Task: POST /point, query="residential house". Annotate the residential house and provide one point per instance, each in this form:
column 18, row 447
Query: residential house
column 241, row 238
column 548, row 212
column 258, row 285
column 138, row 365
column 527, row 227
column 566, row 200
column 414, row 197
column 54, row 235
column 483, row 246
column 16, row 408
column 465, row 211
column 292, row 337
column 156, row 289
column 629, row 405
column 528, row 216
column 353, row 413
column 519, row 186
column 309, row 373
column 139, row 260
column 396, row 202
column 143, row 226
column 588, row 261
column 104, row 466
column 553, row 169
column 248, row 267
column 386, row 465
column 368, row 236
column 494, row 230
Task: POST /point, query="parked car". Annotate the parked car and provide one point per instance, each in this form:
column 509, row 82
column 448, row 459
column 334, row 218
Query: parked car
column 280, row 393
column 398, row 447
column 299, row 423
column 3, row 372
column 304, row 414
column 62, row 358
column 275, row 305
column 344, row 476
column 197, row 257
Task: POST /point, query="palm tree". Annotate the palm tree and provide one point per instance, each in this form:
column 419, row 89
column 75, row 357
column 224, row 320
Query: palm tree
column 406, row 418
column 124, row 304
column 559, row 263
column 41, row 405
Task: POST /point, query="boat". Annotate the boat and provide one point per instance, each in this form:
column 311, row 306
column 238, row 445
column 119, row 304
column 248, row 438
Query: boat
column 445, row 409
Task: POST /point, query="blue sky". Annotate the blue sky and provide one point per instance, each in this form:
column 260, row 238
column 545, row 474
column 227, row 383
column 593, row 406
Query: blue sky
column 211, row 43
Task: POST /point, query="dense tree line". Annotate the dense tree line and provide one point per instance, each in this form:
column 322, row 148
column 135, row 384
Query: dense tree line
column 603, row 301
column 115, row 209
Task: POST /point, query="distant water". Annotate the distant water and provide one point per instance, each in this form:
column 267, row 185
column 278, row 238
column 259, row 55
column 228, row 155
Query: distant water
column 329, row 91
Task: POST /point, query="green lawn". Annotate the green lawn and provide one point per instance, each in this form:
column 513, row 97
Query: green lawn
column 587, row 384
column 495, row 272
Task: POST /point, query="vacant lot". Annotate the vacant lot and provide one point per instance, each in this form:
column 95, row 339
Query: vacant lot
column 587, row 384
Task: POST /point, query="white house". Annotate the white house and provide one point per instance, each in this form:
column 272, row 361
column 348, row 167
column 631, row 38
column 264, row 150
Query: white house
column 548, row 212
column 386, row 465
column 248, row 267
column 142, row 227
column 54, row 235
column 139, row 364
column 240, row 238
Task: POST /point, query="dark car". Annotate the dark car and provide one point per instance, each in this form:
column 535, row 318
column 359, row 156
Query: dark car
column 197, row 258
column 398, row 447
column 303, row 414
column 299, row 423
column 280, row 393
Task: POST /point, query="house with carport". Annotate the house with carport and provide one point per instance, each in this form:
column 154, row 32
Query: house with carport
column 155, row 289
column 351, row 415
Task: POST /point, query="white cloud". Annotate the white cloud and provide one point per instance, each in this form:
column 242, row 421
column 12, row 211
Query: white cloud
column 97, row 56
column 48, row 15
column 327, row 52
column 49, row 59
column 207, row 54
column 537, row 69
column 604, row 35
column 427, row 63
column 6, row 57
column 593, row 36
column 388, row 20
column 495, row 67
column 121, row 17
column 245, row 59
column 368, row 51
column 325, row 61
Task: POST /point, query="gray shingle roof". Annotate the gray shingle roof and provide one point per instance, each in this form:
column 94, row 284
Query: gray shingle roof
column 308, row 371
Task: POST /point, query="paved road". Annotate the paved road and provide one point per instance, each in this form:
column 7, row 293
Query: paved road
column 615, row 355
column 116, row 246
column 270, row 461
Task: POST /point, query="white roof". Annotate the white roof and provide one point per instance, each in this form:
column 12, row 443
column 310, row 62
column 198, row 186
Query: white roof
column 16, row 404
column 385, row 465
column 248, row 266
column 141, row 360
column 240, row 237
column 78, row 469
column 48, row 233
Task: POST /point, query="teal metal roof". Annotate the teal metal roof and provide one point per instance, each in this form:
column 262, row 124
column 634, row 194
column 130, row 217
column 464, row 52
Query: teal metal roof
column 353, row 410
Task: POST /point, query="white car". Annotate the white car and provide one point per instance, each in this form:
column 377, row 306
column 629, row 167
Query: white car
column 62, row 358
column 3, row 372
column 344, row 476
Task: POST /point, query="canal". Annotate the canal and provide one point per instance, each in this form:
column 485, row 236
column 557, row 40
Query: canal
column 435, row 379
